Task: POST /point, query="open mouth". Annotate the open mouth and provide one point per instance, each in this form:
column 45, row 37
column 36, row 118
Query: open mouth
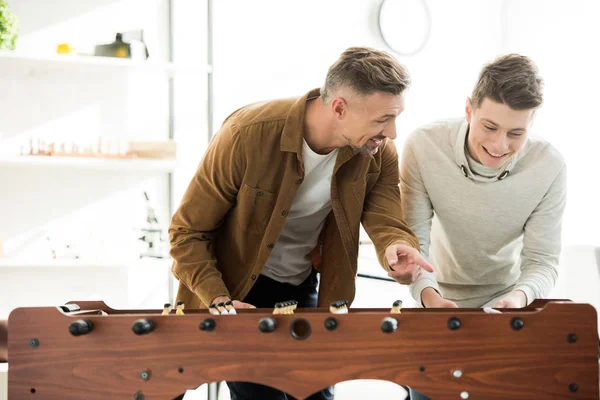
column 375, row 142
column 494, row 155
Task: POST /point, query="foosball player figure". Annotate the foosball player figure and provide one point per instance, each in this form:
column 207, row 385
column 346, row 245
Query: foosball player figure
column 167, row 309
column 213, row 309
column 396, row 307
column 339, row 307
column 229, row 307
column 221, row 308
column 180, row 307
column 285, row 307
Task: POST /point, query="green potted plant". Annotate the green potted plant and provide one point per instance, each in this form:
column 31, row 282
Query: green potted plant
column 9, row 27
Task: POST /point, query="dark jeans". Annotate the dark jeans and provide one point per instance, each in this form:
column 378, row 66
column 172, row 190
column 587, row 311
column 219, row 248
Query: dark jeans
column 264, row 294
column 414, row 395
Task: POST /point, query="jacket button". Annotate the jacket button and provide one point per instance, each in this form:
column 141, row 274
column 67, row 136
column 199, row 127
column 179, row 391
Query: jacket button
column 299, row 181
column 253, row 277
column 270, row 245
column 284, row 213
column 260, row 193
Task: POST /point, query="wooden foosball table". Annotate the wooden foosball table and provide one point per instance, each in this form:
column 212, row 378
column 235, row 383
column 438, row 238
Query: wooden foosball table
column 87, row 350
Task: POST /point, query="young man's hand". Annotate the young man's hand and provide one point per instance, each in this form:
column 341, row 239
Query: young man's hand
column 432, row 299
column 406, row 263
column 515, row 299
column 236, row 303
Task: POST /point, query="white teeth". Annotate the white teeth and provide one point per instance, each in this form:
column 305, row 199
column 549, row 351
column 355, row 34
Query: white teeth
column 494, row 154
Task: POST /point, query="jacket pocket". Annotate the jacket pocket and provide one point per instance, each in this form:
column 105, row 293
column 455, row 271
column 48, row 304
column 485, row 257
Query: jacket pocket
column 254, row 209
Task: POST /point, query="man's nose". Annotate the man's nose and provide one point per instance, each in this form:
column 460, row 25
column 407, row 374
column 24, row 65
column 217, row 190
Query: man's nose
column 500, row 142
column 390, row 131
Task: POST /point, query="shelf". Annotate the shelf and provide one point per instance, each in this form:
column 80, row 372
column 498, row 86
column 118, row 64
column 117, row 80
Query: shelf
column 7, row 263
column 30, row 64
column 139, row 164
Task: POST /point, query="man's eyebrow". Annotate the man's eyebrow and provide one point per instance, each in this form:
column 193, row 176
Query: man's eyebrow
column 490, row 121
column 387, row 116
column 512, row 130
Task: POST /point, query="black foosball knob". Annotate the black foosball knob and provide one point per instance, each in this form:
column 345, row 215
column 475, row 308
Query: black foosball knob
column 454, row 323
column 389, row 325
column 331, row 324
column 81, row 327
column 143, row 326
column 208, row 325
column 517, row 324
column 267, row 325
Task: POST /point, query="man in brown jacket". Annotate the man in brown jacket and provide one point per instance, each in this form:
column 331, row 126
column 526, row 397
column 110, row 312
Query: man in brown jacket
column 281, row 193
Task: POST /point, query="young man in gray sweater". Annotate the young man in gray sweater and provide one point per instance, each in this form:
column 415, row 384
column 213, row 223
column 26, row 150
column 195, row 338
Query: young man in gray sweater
column 485, row 198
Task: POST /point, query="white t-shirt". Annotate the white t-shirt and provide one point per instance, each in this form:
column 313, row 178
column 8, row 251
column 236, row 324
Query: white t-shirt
column 291, row 258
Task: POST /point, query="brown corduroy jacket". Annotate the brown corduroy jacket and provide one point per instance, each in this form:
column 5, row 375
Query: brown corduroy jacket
column 236, row 206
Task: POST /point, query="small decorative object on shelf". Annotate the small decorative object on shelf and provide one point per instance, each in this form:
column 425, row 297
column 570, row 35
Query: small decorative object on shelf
column 126, row 45
column 164, row 150
column 103, row 148
column 153, row 234
column 9, row 27
column 65, row 48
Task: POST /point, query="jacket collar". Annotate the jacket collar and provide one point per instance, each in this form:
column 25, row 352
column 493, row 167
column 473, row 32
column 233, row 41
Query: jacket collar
column 293, row 130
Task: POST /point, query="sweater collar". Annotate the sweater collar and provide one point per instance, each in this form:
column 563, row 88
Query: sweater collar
column 460, row 149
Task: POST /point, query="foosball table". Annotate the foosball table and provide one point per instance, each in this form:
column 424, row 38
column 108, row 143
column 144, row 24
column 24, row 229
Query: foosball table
column 87, row 350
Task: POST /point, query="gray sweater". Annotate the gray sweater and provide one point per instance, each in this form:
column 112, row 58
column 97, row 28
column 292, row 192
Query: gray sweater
column 485, row 231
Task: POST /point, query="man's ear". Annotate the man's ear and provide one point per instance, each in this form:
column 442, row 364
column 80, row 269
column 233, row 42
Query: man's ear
column 533, row 114
column 468, row 110
column 339, row 107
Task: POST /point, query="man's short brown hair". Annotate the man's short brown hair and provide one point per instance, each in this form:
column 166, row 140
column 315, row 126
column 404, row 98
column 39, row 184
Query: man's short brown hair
column 512, row 80
column 366, row 71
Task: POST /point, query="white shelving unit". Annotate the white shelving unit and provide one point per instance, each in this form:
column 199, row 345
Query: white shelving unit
column 52, row 70
column 138, row 164
column 37, row 64
column 81, row 264
column 73, row 97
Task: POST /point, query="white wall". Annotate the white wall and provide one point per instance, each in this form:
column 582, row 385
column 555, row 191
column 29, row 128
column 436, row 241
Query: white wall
column 191, row 89
column 564, row 41
column 285, row 48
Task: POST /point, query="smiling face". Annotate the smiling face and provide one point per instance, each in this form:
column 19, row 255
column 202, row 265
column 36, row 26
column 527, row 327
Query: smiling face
column 365, row 121
column 496, row 131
